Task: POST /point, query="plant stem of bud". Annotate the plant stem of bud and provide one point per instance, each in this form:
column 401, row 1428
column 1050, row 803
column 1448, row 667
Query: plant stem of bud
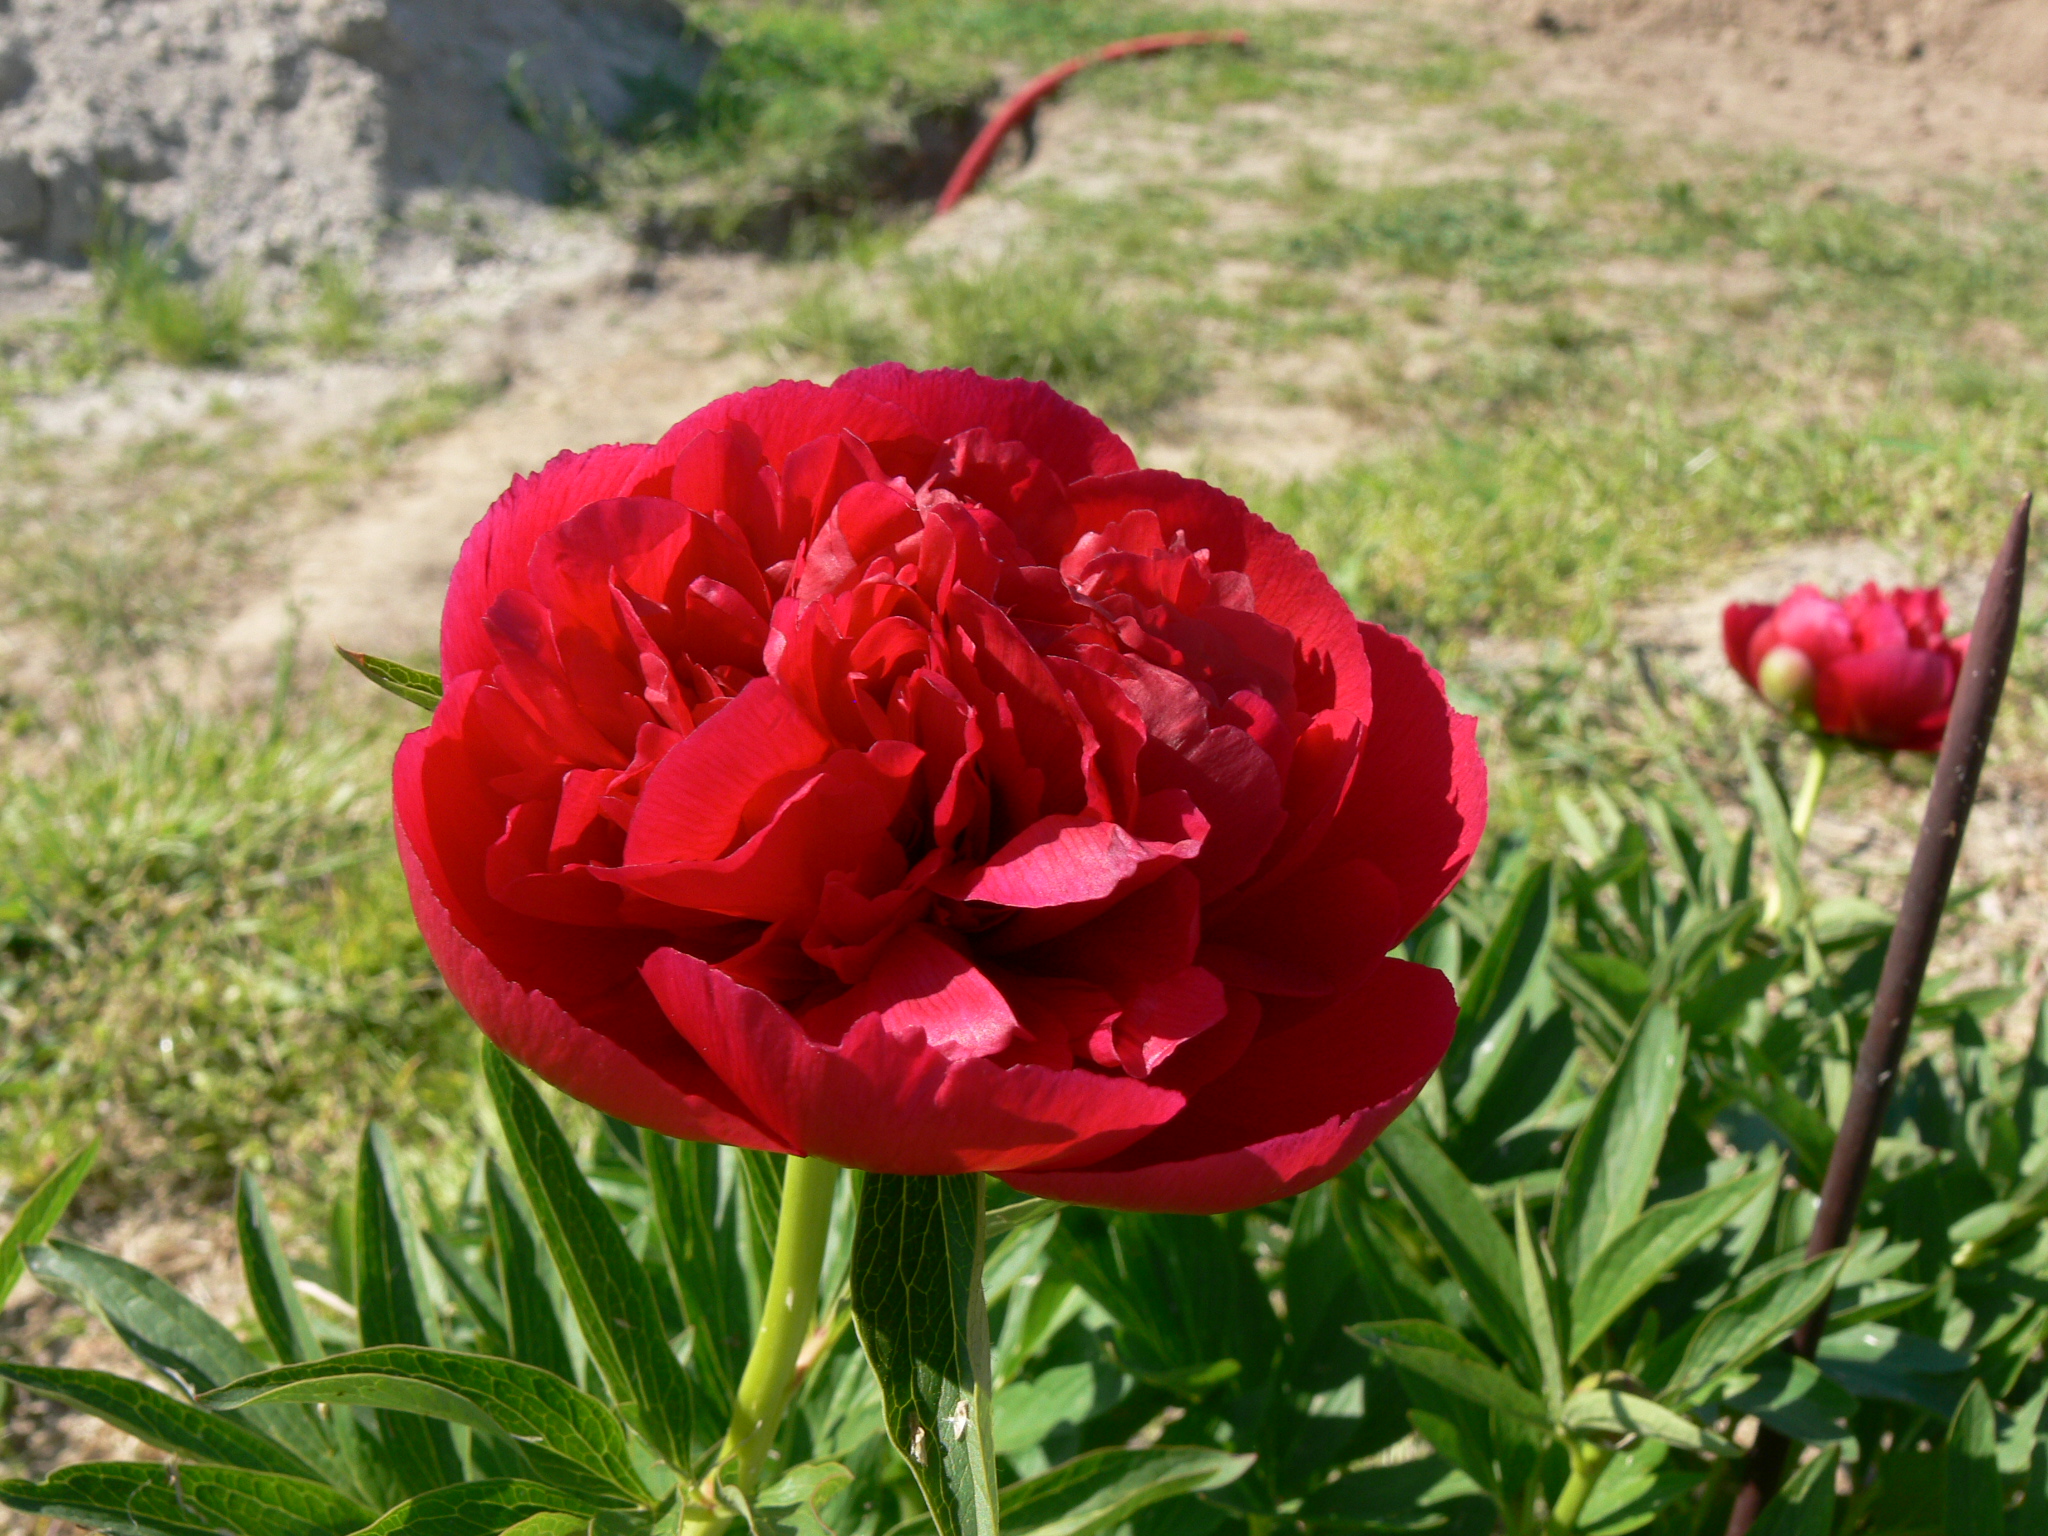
column 1817, row 764
column 1589, row 1460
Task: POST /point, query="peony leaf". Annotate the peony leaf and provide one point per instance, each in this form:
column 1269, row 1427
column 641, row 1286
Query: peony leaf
column 496, row 1396
column 918, row 1306
column 132, row 1498
column 1607, row 1411
column 611, row 1294
column 1477, row 1381
column 169, row 1333
column 533, row 1328
column 40, row 1212
column 1479, row 1254
column 1640, row 1254
column 1739, row 1330
column 272, row 1295
column 409, row 683
column 1975, row 1497
column 420, row 1451
column 682, row 1181
column 1613, row 1158
column 1805, row 1506
column 1099, row 1491
column 158, row 1419
column 488, row 1507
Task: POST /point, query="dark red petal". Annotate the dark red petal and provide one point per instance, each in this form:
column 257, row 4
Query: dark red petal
column 1887, row 698
column 1294, row 1111
column 567, row 1003
column 889, row 1103
column 696, row 803
column 1417, row 803
column 947, row 401
column 1739, row 624
column 1061, row 860
column 498, row 553
column 1809, row 621
column 1288, row 587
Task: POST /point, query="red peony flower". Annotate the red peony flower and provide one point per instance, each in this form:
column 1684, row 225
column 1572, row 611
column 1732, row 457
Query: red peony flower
column 1873, row 668
column 896, row 773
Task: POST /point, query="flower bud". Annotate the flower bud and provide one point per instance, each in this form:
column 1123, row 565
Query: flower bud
column 1786, row 678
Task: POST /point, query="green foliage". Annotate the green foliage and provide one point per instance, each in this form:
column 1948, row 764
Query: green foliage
column 343, row 312
column 605, row 1443
column 150, row 292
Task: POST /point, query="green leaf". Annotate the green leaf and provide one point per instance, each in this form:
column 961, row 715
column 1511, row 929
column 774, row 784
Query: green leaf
column 1474, row 1380
column 792, row 1507
column 1479, row 1254
column 1492, row 995
column 1805, row 1506
column 154, row 1499
column 1605, row 1410
column 1878, row 1360
column 1975, row 1501
column 1613, row 1158
column 491, row 1506
column 1100, row 1491
column 533, row 1331
column 419, row 1450
column 1067, row 1396
column 1740, row 1329
column 1538, row 1295
column 2031, row 1518
column 40, row 1212
column 682, row 1179
column 549, row 1524
column 169, row 1334
column 1794, row 1398
column 1641, row 1253
column 611, row 1294
column 497, row 1396
column 157, row 1419
column 272, row 1296
column 1637, row 1485
column 917, row 1303
column 409, row 683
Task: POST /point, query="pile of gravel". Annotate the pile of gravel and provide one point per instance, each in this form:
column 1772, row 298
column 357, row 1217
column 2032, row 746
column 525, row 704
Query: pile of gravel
column 273, row 130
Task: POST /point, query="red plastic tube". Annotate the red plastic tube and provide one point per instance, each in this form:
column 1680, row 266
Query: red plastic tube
column 974, row 164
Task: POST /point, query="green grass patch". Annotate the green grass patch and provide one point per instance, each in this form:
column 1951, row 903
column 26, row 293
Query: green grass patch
column 151, row 292
column 343, row 311
column 206, row 951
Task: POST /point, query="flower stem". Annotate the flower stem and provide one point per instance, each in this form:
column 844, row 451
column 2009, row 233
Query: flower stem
column 1817, row 763
column 792, row 1296
column 1589, row 1460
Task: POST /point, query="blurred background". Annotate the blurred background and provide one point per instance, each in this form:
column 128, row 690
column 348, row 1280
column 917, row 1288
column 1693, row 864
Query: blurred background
column 1549, row 328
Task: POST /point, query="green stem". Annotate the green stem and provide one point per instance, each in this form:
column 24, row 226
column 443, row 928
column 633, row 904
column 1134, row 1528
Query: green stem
column 1817, row 761
column 1588, row 1462
column 786, row 1308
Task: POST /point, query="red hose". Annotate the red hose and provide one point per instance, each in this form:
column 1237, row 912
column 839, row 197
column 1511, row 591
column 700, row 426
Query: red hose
column 974, row 164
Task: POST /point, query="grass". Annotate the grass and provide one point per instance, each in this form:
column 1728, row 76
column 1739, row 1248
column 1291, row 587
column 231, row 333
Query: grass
column 206, row 951
column 343, row 311
column 151, row 293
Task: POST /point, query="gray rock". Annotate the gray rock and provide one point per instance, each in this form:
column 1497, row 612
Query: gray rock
column 21, row 198
column 17, row 71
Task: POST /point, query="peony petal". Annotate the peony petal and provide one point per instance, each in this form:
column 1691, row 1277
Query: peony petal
column 1061, row 860
column 567, row 1003
column 923, row 990
column 498, row 554
column 1887, row 698
column 1295, row 1109
column 1417, row 803
column 887, row 1103
column 945, row 402
column 1288, row 587
column 783, row 417
column 1739, row 624
column 1809, row 621
column 696, row 802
